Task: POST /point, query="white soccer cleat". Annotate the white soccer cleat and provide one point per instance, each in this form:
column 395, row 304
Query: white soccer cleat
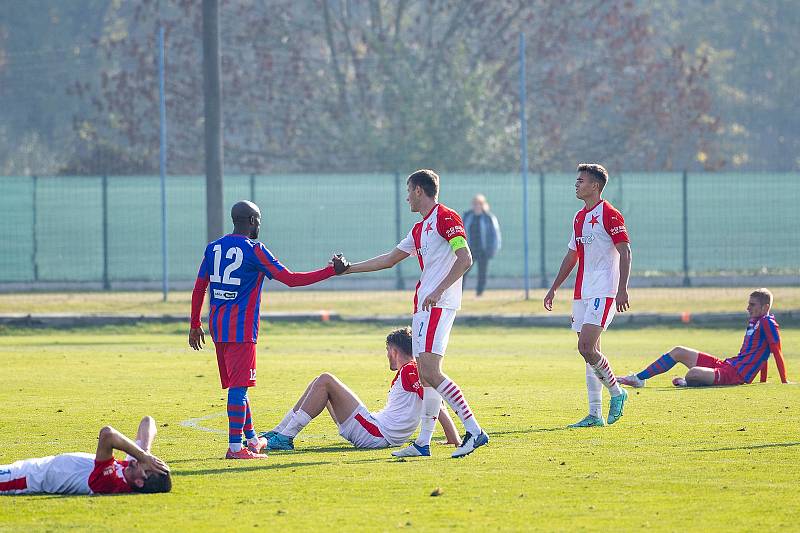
column 679, row 382
column 632, row 380
column 470, row 443
column 413, row 450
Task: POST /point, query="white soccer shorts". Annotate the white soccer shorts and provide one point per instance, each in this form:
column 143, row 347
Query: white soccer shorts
column 431, row 330
column 595, row 311
column 362, row 430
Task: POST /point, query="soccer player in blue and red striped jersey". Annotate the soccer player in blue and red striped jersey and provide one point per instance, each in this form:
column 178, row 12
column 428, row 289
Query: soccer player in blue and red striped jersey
column 761, row 339
column 234, row 268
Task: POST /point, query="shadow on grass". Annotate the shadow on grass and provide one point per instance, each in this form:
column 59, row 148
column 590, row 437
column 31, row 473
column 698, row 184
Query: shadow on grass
column 751, row 447
column 262, row 465
column 527, row 431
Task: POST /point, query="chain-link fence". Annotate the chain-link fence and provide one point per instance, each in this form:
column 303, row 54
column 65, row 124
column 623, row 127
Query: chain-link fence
column 108, row 229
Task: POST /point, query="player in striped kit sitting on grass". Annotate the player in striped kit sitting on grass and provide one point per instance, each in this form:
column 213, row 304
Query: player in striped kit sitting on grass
column 761, row 338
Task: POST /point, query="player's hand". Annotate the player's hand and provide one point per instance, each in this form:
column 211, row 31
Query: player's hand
column 431, row 300
column 622, row 301
column 197, row 338
column 548, row 299
column 154, row 464
column 340, row 264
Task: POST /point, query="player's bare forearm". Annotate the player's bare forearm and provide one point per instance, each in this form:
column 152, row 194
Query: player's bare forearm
column 625, row 260
column 146, row 433
column 110, row 439
column 461, row 265
column 567, row 264
column 382, row 262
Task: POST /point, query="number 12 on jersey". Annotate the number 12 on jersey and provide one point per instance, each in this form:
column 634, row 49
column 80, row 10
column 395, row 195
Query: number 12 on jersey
column 234, row 253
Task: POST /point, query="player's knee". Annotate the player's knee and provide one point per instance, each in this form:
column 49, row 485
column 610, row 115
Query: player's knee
column 326, row 378
column 105, row 432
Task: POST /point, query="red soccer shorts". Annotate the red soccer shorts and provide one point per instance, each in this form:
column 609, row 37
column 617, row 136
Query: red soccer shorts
column 237, row 364
column 724, row 373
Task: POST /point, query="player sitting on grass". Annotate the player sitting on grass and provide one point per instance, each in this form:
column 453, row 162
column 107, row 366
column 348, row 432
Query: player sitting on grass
column 761, row 338
column 391, row 426
column 84, row 473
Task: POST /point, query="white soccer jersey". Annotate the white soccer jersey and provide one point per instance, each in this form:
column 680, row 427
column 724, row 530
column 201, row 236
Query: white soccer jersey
column 429, row 240
column 595, row 232
column 67, row 473
column 400, row 418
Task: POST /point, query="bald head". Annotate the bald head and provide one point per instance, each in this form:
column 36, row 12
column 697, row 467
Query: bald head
column 246, row 218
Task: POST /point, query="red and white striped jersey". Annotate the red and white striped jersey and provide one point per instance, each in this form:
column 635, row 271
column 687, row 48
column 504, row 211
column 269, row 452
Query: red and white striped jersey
column 430, row 240
column 595, row 232
column 400, row 418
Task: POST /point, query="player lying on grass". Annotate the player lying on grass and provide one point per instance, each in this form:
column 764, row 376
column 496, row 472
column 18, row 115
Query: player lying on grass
column 391, row 426
column 761, row 338
column 84, row 473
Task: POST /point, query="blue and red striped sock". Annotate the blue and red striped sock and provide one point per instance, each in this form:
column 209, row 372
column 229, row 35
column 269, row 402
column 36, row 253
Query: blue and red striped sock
column 249, row 432
column 659, row 366
column 237, row 408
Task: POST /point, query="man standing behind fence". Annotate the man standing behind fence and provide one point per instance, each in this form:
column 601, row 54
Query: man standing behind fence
column 235, row 266
column 483, row 236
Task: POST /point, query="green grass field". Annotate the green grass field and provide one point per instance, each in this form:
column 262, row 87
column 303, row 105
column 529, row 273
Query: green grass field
column 371, row 303
column 719, row 458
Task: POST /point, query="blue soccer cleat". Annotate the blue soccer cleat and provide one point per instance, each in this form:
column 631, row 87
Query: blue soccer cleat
column 268, row 434
column 470, row 443
column 589, row 421
column 617, row 406
column 280, row 442
column 413, row 450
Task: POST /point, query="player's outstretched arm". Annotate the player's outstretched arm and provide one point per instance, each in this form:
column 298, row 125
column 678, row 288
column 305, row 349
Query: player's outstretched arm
column 110, row 439
column 778, row 355
column 567, row 264
column 625, row 259
column 387, row 260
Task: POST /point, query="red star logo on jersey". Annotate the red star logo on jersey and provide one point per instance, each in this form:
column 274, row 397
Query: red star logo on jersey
column 429, row 228
column 594, row 220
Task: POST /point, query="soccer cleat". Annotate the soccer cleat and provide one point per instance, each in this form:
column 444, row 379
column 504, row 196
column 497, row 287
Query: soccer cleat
column 244, row 453
column 413, row 450
column 679, row 382
column 268, row 434
column 616, row 407
column 589, row 421
column 632, row 381
column 280, row 442
column 257, row 448
column 469, row 444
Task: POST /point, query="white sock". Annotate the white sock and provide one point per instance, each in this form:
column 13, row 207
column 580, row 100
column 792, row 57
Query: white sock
column 253, row 441
column 431, row 404
column 603, row 371
column 595, row 389
column 455, row 399
column 299, row 420
column 285, row 422
column 235, row 447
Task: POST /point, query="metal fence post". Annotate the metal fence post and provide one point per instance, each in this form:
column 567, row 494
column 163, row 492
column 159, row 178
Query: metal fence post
column 35, row 252
column 253, row 188
column 399, row 284
column 162, row 164
column 523, row 140
column 542, row 232
column 104, row 188
column 686, row 281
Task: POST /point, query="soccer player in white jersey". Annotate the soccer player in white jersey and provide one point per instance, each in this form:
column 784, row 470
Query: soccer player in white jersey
column 600, row 246
column 101, row 473
column 391, row 426
column 440, row 245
